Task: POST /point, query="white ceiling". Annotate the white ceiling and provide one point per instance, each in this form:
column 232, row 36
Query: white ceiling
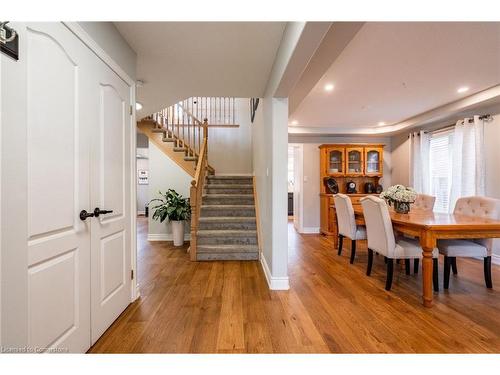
column 390, row 72
column 177, row 60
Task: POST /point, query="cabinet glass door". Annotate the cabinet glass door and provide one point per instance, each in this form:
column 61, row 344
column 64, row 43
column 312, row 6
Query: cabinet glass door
column 373, row 161
column 354, row 161
column 335, row 162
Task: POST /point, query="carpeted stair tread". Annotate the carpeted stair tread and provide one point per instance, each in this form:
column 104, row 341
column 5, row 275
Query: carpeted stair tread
column 243, row 219
column 226, row 233
column 228, row 248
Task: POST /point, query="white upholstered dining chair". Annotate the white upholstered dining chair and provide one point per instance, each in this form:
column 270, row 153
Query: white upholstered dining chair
column 347, row 224
column 424, row 202
column 381, row 239
column 483, row 248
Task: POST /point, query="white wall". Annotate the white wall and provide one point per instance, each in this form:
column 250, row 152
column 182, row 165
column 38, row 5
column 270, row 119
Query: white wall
column 164, row 174
column 270, row 157
column 310, row 184
column 142, row 164
column 108, row 37
column 230, row 149
column 142, row 190
column 401, row 156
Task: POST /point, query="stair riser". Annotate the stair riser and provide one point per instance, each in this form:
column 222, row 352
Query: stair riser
column 239, row 181
column 227, row 200
column 226, row 240
column 210, row 190
column 227, row 226
column 227, row 212
column 229, row 256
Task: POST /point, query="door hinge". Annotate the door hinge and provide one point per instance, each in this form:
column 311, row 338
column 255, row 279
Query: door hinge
column 131, row 110
column 131, row 274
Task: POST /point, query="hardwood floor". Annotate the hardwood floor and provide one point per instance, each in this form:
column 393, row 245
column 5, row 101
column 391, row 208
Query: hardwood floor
column 332, row 306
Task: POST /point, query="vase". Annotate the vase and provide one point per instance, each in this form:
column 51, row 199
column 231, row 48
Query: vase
column 178, row 232
column 401, row 207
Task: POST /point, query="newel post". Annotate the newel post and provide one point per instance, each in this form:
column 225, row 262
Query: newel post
column 205, row 138
column 193, row 197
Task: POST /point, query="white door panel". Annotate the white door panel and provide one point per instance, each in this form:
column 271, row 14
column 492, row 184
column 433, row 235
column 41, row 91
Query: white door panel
column 53, row 134
column 111, row 264
column 54, row 156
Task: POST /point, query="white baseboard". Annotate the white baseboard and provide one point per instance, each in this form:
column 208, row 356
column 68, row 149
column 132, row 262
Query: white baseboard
column 495, row 259
column 310, row 230
column 275, row 283
column 166, row 237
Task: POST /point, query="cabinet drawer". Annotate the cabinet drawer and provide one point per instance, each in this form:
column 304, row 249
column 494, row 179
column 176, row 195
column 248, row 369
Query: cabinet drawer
column 356, row 201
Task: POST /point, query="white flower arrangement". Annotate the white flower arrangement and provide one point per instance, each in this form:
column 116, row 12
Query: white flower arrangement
column 399, row 193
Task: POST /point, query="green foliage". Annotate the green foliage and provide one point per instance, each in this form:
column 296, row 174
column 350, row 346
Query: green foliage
column 171, row 206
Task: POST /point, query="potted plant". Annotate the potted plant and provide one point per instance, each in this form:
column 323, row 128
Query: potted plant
column 176, row 209
column 400, row 196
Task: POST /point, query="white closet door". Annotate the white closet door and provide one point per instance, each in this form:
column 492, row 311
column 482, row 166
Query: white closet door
column 45, row 184
column 110, row 191
column 66, row 134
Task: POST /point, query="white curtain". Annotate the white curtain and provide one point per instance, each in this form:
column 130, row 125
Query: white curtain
column 468, row 162
column 419, row 162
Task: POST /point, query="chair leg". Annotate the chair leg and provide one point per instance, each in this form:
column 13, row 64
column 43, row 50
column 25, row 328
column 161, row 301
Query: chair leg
column 390, row 269
column 385, row 260
column 435, row 274
column 454, row 265
column 407, row 266
column 353, row 250
column 416, row 262
column 487, row 272
column 341, row 242
column 446, row 274
column 370, row 262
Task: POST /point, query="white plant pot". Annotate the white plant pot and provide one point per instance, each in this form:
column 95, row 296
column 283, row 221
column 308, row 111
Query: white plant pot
column 178, row 232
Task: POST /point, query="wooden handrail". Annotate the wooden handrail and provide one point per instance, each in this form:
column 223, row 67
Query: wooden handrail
column 196, row 190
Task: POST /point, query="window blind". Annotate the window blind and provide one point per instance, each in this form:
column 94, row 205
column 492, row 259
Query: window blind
column 440, row 161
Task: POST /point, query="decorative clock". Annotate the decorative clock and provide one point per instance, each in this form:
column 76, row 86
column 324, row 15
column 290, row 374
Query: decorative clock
column 351, row 187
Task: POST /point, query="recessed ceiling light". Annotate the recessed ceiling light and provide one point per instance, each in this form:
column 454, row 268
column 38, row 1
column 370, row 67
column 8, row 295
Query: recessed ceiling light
column 381, row 123
column 329, row 87
column 138, row 106
column 295, row 122
column 462, row 89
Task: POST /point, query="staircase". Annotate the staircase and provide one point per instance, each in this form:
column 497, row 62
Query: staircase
column 223, row 222
column 227, row 224
column 179, row 131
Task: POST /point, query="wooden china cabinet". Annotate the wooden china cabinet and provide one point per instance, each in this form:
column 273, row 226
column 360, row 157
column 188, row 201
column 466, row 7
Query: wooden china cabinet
column 359, row 163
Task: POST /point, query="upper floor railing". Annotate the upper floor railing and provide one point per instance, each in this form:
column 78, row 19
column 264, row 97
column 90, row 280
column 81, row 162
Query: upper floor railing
column 184, row 120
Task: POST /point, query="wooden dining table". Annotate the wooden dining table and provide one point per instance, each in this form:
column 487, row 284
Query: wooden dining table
column 429, row 227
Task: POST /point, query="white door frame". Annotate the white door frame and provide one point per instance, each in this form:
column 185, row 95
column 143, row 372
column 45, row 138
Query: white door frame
column 104, row 56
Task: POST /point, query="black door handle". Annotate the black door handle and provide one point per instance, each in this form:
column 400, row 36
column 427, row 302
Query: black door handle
column 84, row 215
column 98, row 212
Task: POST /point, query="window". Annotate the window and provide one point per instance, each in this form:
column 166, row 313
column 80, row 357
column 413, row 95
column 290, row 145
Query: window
column 440, row 161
